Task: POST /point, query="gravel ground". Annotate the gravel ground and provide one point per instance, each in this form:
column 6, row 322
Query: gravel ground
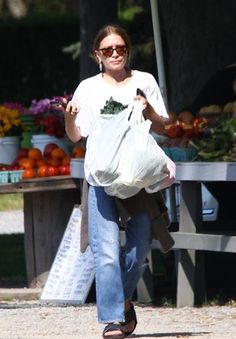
column 28, row 320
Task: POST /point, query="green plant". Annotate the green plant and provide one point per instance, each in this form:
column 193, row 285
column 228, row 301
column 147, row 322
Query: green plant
column 11, row 201
column 219, row 143
column 10, row 122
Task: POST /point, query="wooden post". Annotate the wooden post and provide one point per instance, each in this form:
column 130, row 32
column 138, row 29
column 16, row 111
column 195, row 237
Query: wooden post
column 190, row 264
column 46, row 215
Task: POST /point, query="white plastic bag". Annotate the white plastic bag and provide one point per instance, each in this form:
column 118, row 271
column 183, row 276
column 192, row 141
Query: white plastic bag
column 103, row 146
column 123, row 156
column 142, row 163
column 167, row 181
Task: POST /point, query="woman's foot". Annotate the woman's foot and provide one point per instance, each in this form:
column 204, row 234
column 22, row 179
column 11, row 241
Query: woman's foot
column 130, row 319
column 114, row 331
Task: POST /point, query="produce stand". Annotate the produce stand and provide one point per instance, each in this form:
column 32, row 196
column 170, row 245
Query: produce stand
column 190, row 239
column 48, row 203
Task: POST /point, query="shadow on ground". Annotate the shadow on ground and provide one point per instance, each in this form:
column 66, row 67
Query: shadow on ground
column 169, row 335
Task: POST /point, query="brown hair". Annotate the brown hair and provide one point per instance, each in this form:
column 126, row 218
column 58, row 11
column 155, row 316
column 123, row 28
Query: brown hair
column 107, row 30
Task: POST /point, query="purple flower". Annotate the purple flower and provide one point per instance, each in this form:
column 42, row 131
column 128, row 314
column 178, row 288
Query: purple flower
column 40, row 106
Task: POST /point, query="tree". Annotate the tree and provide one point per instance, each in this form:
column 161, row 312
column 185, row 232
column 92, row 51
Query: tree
column 93, row 15
column 18, row 8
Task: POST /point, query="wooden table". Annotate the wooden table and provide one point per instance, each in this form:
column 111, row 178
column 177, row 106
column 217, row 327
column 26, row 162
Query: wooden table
column 191, row 239
column 48, row 203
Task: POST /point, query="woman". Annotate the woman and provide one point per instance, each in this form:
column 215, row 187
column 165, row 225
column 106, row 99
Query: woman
column 116, row 275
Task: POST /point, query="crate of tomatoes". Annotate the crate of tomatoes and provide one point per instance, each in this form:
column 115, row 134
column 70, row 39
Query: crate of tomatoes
column 34, row 163
column 179, row 132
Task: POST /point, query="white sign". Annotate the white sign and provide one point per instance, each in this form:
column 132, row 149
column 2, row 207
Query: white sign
column 72, row 272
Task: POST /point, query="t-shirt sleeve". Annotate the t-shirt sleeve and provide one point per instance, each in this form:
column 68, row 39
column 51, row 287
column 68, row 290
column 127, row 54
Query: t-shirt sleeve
column 155, row 98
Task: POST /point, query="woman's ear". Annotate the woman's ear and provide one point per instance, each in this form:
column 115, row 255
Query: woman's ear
column 97, row 57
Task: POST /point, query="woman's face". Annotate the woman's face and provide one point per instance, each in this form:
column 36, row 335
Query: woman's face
column 112, row 53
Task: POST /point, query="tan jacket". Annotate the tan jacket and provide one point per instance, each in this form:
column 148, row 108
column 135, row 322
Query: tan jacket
column 153, row 204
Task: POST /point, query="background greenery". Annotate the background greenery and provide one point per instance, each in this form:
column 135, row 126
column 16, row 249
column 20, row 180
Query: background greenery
column 32, row 63
column 9, row 202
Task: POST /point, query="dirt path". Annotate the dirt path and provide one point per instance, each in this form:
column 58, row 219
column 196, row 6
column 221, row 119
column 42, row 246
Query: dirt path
column 32, row 320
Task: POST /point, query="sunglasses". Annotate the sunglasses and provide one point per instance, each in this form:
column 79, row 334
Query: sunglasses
column 107, row 52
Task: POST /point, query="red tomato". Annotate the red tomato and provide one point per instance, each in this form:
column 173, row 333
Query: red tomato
column 174, row 130
column 48, row 149
column 51, row 171
column 64, row 169
column 42, row 171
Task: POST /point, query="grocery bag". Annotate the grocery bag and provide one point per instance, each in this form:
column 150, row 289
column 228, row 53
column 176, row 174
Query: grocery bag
column 104, row 146
column 123, row 156
column 142, row 163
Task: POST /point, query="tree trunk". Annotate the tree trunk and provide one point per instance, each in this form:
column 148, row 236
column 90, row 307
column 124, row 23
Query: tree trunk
column 17, row 8
column 93, row 15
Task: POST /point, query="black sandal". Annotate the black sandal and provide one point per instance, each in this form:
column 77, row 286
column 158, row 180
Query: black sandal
column 130, row 315
column 114, row 327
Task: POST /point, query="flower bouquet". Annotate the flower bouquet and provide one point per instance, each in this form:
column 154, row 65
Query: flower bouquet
column 11, row 130
column 49, row 123
column 10, row 119
column 48, row 116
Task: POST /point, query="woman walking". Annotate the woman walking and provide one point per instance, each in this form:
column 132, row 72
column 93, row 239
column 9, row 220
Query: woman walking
column 117, row 273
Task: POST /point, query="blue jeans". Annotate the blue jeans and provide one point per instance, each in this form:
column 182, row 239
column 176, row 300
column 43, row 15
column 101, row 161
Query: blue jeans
column 117, row 271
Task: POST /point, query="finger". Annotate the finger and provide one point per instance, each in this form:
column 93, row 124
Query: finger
column 68, row 108
column 74, row 111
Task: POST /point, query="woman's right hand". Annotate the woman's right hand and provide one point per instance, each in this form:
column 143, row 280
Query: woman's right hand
column 71, row 111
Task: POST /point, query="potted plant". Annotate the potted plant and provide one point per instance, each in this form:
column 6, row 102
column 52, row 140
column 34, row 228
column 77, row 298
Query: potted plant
column 48, row 122
column 10, row 131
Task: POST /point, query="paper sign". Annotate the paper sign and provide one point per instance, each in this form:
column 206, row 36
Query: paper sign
column 72, row 272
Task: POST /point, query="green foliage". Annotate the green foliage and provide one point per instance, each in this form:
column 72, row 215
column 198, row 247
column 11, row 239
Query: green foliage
column 39, row 54
column 128, row 14
column 32, row 62
column 73, row 49
column 11, row 201
column 43, row 7
column 52, row 6
column 219, row 143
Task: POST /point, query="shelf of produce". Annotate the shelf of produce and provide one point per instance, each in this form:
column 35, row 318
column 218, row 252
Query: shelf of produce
column 41, row 184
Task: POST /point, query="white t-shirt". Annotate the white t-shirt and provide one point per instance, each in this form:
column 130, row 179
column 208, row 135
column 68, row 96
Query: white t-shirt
column 93, row 93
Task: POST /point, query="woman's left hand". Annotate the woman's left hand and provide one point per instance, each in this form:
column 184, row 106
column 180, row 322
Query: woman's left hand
column 158, row 123
column 143, row 101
